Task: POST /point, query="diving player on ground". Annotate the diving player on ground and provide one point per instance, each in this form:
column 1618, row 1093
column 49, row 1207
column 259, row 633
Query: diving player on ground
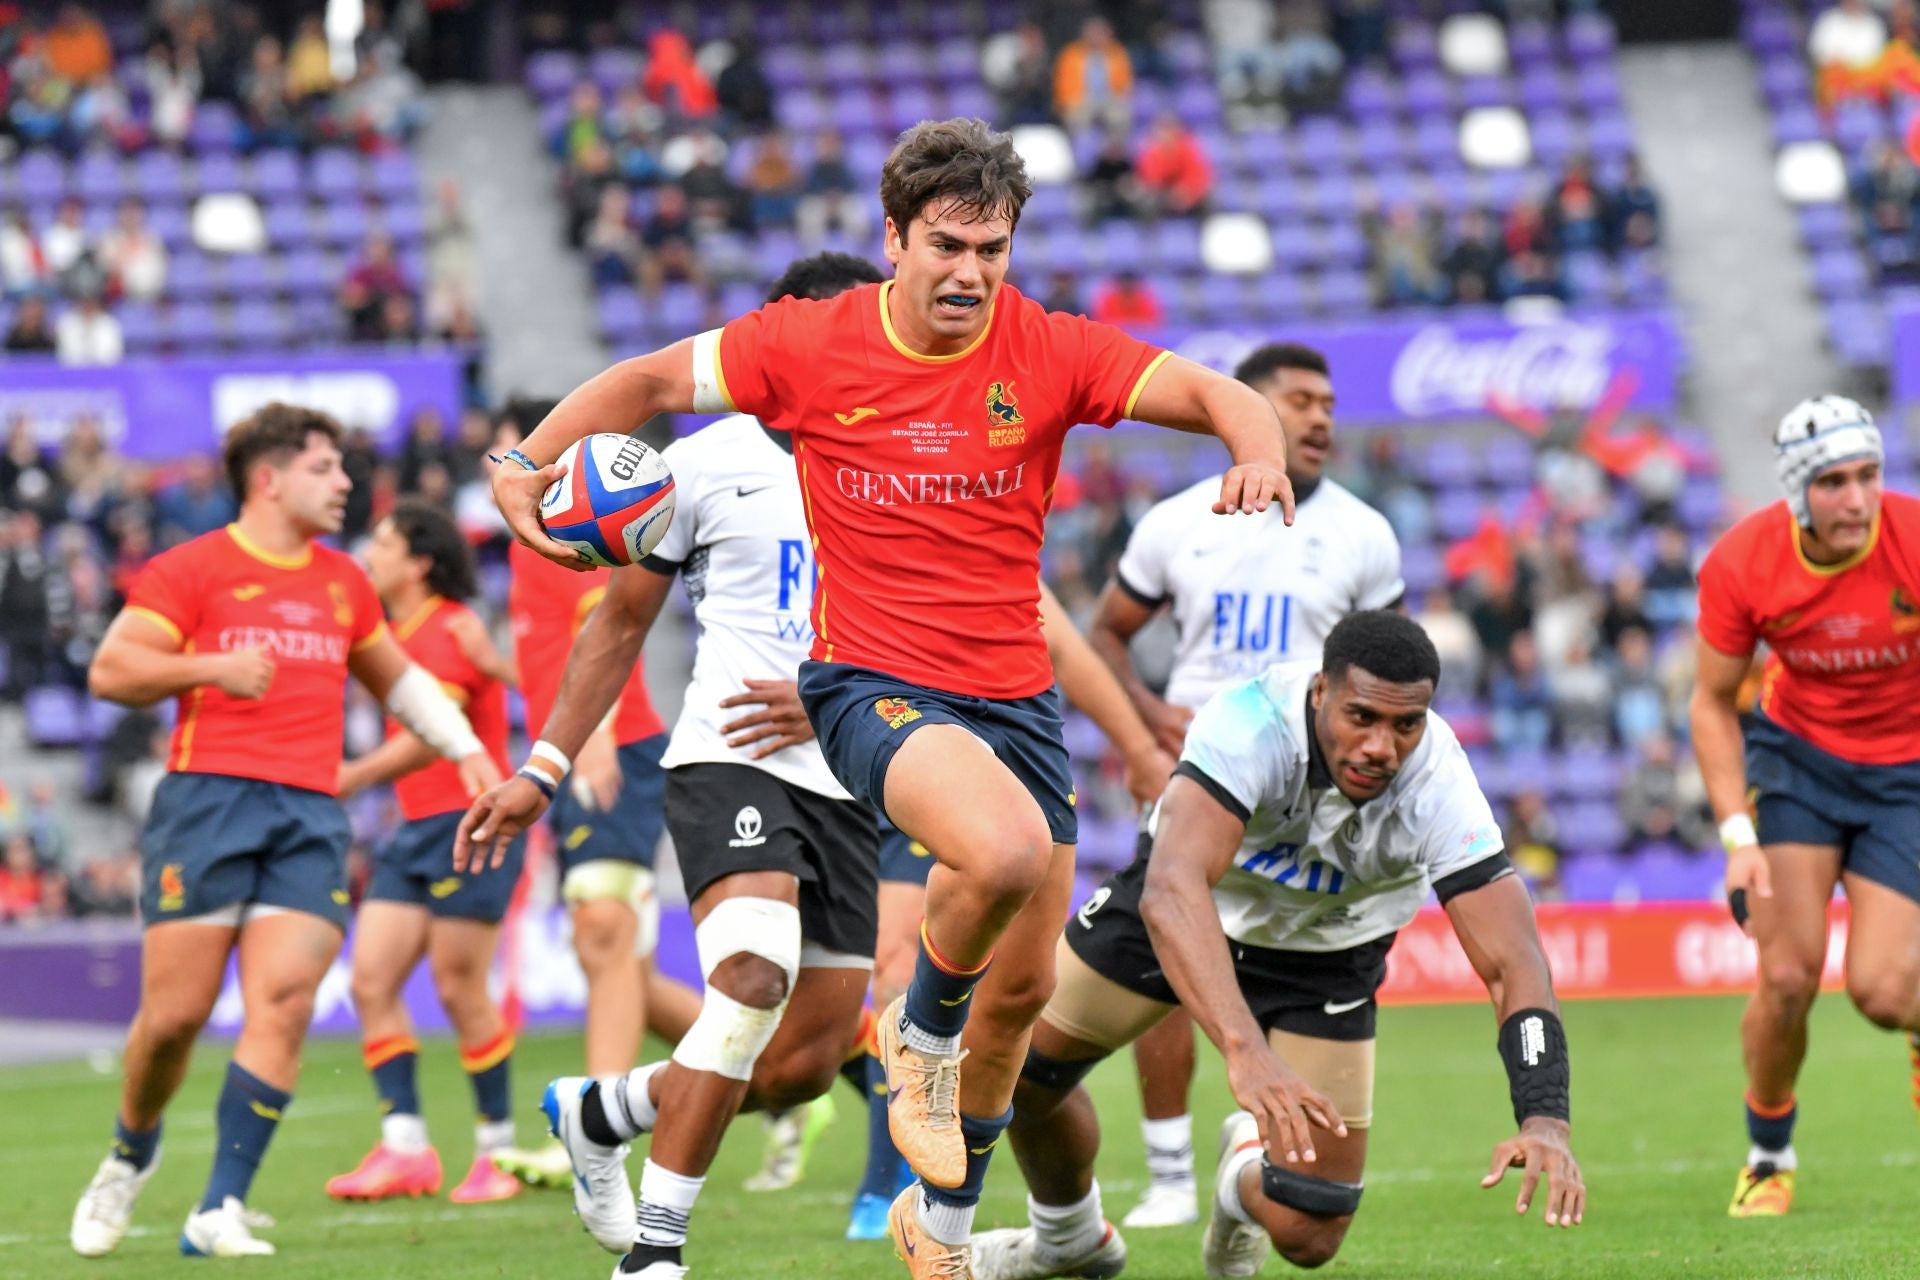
column 254, row 628
column 1243, row 594
column 927, row 416
column 1309, row 816
column 416, row 906
column 1827, row 789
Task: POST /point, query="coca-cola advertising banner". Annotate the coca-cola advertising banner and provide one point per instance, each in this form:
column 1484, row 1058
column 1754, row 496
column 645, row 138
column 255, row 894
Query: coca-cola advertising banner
column 1395, row 370
column 169, row 408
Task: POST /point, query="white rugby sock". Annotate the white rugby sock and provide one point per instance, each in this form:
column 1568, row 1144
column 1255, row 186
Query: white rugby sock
column 950, row 1224
column 1226, row 1187
column 1067, row 1231
column 490, row 1136
column 406, row 1134
column 1783, row 1159
column 1170, row 1149
column 627, row 1102
column 666, row 1203
column 920, row 1040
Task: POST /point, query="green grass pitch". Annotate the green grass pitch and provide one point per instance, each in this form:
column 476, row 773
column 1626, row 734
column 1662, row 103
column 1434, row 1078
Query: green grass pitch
column 1656, row 1123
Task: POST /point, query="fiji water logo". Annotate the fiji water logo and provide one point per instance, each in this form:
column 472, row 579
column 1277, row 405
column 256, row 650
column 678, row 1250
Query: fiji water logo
column 1548, row 366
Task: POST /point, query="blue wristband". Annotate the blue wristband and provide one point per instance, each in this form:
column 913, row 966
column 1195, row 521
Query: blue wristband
column 548, row 787
column 514, row 455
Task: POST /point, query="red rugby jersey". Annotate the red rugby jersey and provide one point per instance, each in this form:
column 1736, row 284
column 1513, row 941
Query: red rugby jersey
column 927, row 478
column 547, row 605
column 429, row 639
column 221, row 592
column 1842, row 638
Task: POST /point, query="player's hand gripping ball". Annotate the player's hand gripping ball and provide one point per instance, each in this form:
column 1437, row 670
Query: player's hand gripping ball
column 614, row 503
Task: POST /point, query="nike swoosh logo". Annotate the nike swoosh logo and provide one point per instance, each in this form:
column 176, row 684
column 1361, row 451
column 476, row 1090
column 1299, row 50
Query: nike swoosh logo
column 911, row 1245
column 892, row 1094
column 848, row 419
column 955, row 1004
column 744, row 492
column 1334, row 1010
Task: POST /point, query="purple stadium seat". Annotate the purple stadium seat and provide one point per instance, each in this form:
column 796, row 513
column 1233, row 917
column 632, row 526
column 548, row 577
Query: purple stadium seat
column 191, row 326
column 307, row 272
column 614, row 69
column 1449, row 464
column 333, row 174
column 55, row 716
column 317, row 322
column 394, row 177
column 218, row 173
column 275, row 175
column 845, row 64
column 1671, row 873
column 98, row 176
column 1370, row 93
column 216, row 127
column 1457, row 513
column 1589, row 36
column 251, row 275
column 1593, row 875
column 1839, row 273
column 551, row 73
column 1487, row 91
column 190, row 275
column 345, row 223
column 1423, row 568
column 1413, row 45
column 1772, row 29
column 288, row 222
column 405, row 221
column 39, row 178
column 139, row 326
column 1530, row 42
column 1428, row 94
column 259, row 324
column 1382, row 145
column 1598, row 823
column 159, row 176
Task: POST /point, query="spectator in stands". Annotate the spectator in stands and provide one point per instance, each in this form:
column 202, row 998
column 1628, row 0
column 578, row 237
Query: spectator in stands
column 613, row 247
column 773, row 183
column 1453, row 639
column 135, row 259
column 90, row 472
column 1093, row 80
column 21, row 881
column 1640, row 705
column 23, row 602
column 674, row 81
column 1129, row 303
column 832, row 199
column 196, row 503
column 1246, row 50
column 1309, row 62
column 1532, row 274
column 76, row 47
column 1518, row 696
column 450, row 253
column 108, row 887
column 1625, row 608
column 372, row 279
column 23, row 263
column 309, row 64
column 1663, row 796
column 43, row 818
column 1063, row 294
column 1532, row 838
column 1175, row 176
column 1112, row 189
column 1577, row 209
column 713, row 198
column 427, row 445
column 399, row 323
column 80, row 604
column 1845, row 44
column 172, row 74
column 1401, row 248
column 591, row 173
column 1360, row 29
column 65, row 240
column 1527, row 229
column 265, row 111
column 1498, row 612
column 27, row 477
column 1017, row 67
column 743, row 91
column 1670, row 592
column 88, row 334
column 1886, row 187
column 1635, row 210
column 1582, row 698
column 31, row 333
column 668, row 238
column 583, row 128
column 1470, row 264
column 632, row 130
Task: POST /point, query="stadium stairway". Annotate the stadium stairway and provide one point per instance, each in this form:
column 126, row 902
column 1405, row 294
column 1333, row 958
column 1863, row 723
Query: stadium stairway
column 1754, row 333
column 535, row 302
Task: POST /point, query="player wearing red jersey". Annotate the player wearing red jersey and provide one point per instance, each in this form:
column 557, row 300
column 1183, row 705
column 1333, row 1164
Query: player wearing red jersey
column 1828, row 788
column 927, row 415
column 254, row 629
column 416, row 907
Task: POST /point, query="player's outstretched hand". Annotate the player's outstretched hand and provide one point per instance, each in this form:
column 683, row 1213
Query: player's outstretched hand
column 478, row 773
column 517, row 492
column 1542, row 1149
column 495, row 819
column 1169, row 725
column 1748, row 877
column 596, row 776
column 1147, row 773
column 1253, row 486
column 780, row 723
column 1285, row 1106
column 246, row 673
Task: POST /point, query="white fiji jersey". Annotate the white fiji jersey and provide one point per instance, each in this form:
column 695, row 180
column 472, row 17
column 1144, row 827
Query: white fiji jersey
column 1248, row 591
column 1315, row 872
column 739, row 538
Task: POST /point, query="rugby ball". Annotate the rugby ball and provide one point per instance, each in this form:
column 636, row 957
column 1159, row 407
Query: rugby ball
column 615, row 502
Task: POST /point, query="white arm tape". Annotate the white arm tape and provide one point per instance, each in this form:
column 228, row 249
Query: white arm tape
column 418, row 702
column 544, row 750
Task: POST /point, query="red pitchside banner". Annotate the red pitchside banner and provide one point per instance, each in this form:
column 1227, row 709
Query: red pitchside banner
column 1602, row 950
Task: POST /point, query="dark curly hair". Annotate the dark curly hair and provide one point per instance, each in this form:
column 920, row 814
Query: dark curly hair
column 431, row 534
column 962, row 162
column 1386, row 645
